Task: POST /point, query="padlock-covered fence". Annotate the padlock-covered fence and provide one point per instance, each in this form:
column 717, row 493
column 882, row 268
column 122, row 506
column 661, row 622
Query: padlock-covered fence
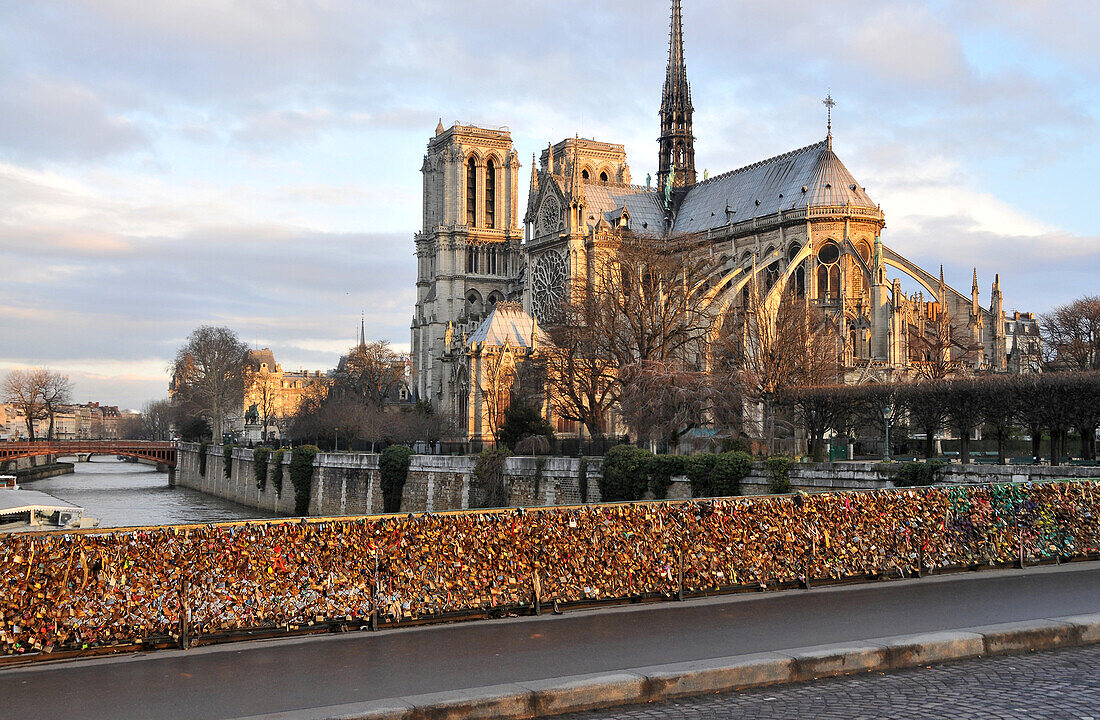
column 86, row 590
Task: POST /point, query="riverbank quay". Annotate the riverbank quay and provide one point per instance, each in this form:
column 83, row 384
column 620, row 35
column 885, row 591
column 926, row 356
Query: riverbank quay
column 532, row 666
column 40, row 472
column 182, row 585
column 350, row 483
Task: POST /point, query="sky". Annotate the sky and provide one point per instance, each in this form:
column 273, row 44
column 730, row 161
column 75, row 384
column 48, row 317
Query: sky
column 255, row 163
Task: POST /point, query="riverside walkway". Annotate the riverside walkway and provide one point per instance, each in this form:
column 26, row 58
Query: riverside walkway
column 386, row 674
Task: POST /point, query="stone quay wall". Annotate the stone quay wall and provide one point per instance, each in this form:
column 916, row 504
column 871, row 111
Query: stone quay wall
column 349, row 483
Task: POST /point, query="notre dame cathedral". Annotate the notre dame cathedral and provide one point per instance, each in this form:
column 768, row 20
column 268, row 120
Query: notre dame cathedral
column 485, row 280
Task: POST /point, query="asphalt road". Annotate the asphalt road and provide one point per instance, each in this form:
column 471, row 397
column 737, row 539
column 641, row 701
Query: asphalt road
column 243, row 679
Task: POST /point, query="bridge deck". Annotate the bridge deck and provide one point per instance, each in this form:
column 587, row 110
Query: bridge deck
column 240, row 680
column 157, row 451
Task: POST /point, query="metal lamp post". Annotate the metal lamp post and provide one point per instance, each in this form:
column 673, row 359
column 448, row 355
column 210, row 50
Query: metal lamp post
column 337, row 448
column 887, row 416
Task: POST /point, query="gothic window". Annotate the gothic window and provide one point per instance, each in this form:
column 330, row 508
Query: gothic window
column 471, row 192
column 549, row 214
column 548, row 281
column 828, row 271
column 828, row 254
column 603, row 177
column 473, row 303
column 864, row 252
column 584, row 173
column 490, row 193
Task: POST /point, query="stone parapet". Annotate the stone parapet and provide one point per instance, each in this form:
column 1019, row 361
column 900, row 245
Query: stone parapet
column 349, row 483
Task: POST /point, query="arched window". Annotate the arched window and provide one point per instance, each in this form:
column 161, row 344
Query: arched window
column 471, row 192
column 490, row 193
column 603, row 177
column 584, row 173
column 823, row 282
column 834, row 281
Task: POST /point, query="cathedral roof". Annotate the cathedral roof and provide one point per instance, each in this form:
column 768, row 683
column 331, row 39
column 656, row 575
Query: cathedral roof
column 812, row 176
column 507, row 323
column 641, row 203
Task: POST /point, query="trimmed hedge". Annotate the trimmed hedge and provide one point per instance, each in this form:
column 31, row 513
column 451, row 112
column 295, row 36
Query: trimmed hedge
column 259, row 466
column 625, row 473
column 778, row 469
column 301, row 476
column 914, row 474
column 393, row 468
column 718, row 475
column 628, row 472
column 277, row 471
column 489, row 472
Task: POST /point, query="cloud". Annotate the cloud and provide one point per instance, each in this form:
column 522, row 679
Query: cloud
column 256, row 164
column 45, row 118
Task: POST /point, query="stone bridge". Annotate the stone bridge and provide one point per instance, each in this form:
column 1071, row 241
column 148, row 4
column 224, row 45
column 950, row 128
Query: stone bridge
column 161, row 452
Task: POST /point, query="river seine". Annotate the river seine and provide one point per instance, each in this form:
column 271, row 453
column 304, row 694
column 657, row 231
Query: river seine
column 120, row 493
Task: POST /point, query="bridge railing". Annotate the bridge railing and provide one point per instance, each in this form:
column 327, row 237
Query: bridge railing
column 75, row 591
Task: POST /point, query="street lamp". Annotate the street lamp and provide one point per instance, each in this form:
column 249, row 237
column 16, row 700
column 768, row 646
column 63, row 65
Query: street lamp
column 337, row 449
column 887, row 416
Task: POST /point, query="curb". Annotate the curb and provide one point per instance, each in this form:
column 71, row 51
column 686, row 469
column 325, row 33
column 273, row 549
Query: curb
column 555, row 696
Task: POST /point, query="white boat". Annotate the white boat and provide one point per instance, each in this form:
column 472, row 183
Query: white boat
column 29, row 510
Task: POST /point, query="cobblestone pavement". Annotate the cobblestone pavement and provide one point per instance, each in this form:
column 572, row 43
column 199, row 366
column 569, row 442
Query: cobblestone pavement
column 1057, row 685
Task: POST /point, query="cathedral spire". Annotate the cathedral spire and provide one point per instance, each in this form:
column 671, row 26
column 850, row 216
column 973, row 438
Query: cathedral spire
column 677, row 144
column 362, row 331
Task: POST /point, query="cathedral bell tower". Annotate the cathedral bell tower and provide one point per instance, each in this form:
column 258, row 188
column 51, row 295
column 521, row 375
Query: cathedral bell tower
column 677, row 153
column 468, row 250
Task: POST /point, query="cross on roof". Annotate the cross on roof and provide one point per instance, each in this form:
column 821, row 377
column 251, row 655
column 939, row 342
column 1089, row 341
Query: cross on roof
column 828, row 102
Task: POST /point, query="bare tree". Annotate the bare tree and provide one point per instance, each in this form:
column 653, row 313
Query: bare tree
column 210, row 372
column 370, row 372
column 264, row 387
column 816, row 408
column 25, row 389
column 156, row 420
column 924, row 401
column 771, row 351
column 648, row 300
column 661, row 401
column 944, row 350
column 580, row 368
column 57, row 390
column 1071, row 334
